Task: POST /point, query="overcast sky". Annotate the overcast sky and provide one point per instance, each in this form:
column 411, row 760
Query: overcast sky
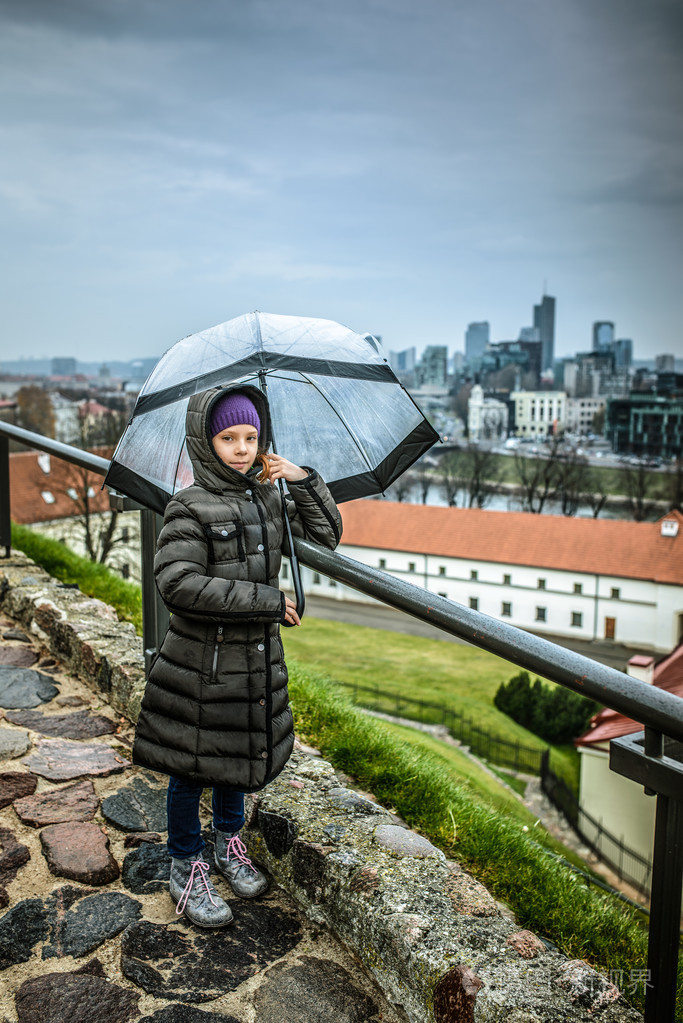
column 403, row 166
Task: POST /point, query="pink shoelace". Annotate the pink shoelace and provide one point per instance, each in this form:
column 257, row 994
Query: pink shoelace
column 237, row 849
column 199, row 868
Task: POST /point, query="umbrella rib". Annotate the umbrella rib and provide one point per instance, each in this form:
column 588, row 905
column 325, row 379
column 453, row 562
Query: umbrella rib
column 343, row 419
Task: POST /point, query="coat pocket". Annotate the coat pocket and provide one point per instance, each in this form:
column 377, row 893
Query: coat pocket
column 225, row 542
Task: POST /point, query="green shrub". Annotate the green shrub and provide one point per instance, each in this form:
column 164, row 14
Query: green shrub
column 555, row 714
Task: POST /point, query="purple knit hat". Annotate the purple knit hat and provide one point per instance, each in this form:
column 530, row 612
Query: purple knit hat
column 235, row 409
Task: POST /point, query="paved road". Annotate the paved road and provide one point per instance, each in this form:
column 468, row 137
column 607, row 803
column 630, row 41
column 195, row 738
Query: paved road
column 380, row 617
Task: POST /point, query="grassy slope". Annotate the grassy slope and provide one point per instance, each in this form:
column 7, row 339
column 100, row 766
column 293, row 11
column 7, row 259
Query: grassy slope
column 463, row 677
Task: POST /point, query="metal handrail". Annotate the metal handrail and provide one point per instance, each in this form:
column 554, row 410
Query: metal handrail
column 660, row 712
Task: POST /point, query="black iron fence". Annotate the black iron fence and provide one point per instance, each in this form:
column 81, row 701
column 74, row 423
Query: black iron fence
column 483, row 743
column 627, row 863
column 644, row 759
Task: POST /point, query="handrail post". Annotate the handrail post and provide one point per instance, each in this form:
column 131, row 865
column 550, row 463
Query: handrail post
column 154, row 613
column 5, row 523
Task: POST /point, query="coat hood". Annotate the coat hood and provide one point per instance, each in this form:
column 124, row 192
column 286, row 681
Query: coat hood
column 209, row 471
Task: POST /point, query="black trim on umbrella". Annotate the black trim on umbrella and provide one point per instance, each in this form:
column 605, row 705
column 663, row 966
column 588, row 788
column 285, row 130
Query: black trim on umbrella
column 376, row 481
column 235, row 370
column 128, row 482
column 364, row 484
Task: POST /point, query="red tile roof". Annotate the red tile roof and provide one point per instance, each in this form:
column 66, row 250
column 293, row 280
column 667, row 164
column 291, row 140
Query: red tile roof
column 28, row 482
column 610, row 724
column 612, row 547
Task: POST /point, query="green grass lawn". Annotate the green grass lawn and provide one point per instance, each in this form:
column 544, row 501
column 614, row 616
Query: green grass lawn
column 460, row 676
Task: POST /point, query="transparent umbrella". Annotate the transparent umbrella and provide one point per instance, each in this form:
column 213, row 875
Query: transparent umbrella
column 335, row 405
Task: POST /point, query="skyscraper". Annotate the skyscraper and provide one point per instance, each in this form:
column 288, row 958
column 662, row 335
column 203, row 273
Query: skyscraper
column 603, row 335
column 623, row 353
column 544, row 321
column 476, row 339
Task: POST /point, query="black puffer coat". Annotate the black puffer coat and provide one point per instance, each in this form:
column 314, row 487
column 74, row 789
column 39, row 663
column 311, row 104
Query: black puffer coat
column 215, row 709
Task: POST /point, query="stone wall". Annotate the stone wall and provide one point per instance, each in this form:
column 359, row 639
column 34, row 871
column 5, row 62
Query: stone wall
column 437, row 942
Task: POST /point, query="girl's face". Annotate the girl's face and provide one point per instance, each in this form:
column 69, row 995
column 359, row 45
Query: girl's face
column 237, row 446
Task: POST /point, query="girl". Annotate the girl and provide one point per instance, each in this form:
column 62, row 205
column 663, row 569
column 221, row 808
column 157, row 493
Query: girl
column 215, row 711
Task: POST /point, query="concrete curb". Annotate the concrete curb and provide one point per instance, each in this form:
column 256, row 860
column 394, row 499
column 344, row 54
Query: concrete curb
column 431, row 935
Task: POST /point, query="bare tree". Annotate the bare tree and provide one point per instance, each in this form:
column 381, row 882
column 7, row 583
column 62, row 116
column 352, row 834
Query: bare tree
column 594, row 492
column 424, row 479
column 400, row 488
column 639, row 487
column 472, row 469
column 571, row 478
column 673, row 484
column 34, row 410
column 451, row 481
column 460, row 403
column 97, row 522
column 538, row 477
column 480, row 469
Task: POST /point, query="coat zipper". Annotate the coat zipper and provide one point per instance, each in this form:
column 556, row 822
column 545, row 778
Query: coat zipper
column 219, row 640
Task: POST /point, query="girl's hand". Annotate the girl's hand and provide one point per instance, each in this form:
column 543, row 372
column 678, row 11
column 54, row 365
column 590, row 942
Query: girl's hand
column 280, row 468
column 290, row 612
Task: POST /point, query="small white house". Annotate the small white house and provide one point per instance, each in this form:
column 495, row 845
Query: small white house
column 593, row 579
column 614, row 801
column 487, row 418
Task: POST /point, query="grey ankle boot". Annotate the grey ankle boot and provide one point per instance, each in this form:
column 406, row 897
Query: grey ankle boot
column 231, row 859
column 194, row 894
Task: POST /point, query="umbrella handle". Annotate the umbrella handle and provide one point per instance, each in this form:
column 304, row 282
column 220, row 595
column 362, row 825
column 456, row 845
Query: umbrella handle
column 296, row 572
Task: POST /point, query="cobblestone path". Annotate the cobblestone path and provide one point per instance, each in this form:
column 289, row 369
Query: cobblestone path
column 88, row 930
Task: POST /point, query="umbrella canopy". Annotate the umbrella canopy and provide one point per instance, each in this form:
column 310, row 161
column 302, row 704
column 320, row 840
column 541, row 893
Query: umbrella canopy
column 335, row 405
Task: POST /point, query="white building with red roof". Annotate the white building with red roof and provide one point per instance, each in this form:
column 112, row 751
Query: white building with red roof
column 617, row 803
column 590, row 579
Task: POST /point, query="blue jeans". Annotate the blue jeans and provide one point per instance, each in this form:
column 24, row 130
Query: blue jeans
column 182, row 807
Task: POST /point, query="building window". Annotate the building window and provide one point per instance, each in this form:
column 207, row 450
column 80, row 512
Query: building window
column 382, row 562
column 474, row 603
column 284, row 571
column 577, row 619
column 474, row 574
column 578, row 587
column 541, row 584
column 411, row 566
column 506, row 609
column 333, row 582
column 316, row 578
column 616, row 593
column 540, row 614
column 125, row 570
column 442, row 569
column 507, row 580
column 125, row 535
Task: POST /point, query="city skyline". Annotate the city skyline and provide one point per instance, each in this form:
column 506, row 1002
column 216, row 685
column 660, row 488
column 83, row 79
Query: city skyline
column 406, row 171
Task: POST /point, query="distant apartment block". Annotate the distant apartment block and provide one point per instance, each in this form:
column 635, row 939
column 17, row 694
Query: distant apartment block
column 477, row 338
column 403, row 362
column 63, row 367
column 593, row 579
column 432, row 370
column 622, row 349
column 581, row 412
column 664, row 364
column 539, row 413
column 646, row 424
